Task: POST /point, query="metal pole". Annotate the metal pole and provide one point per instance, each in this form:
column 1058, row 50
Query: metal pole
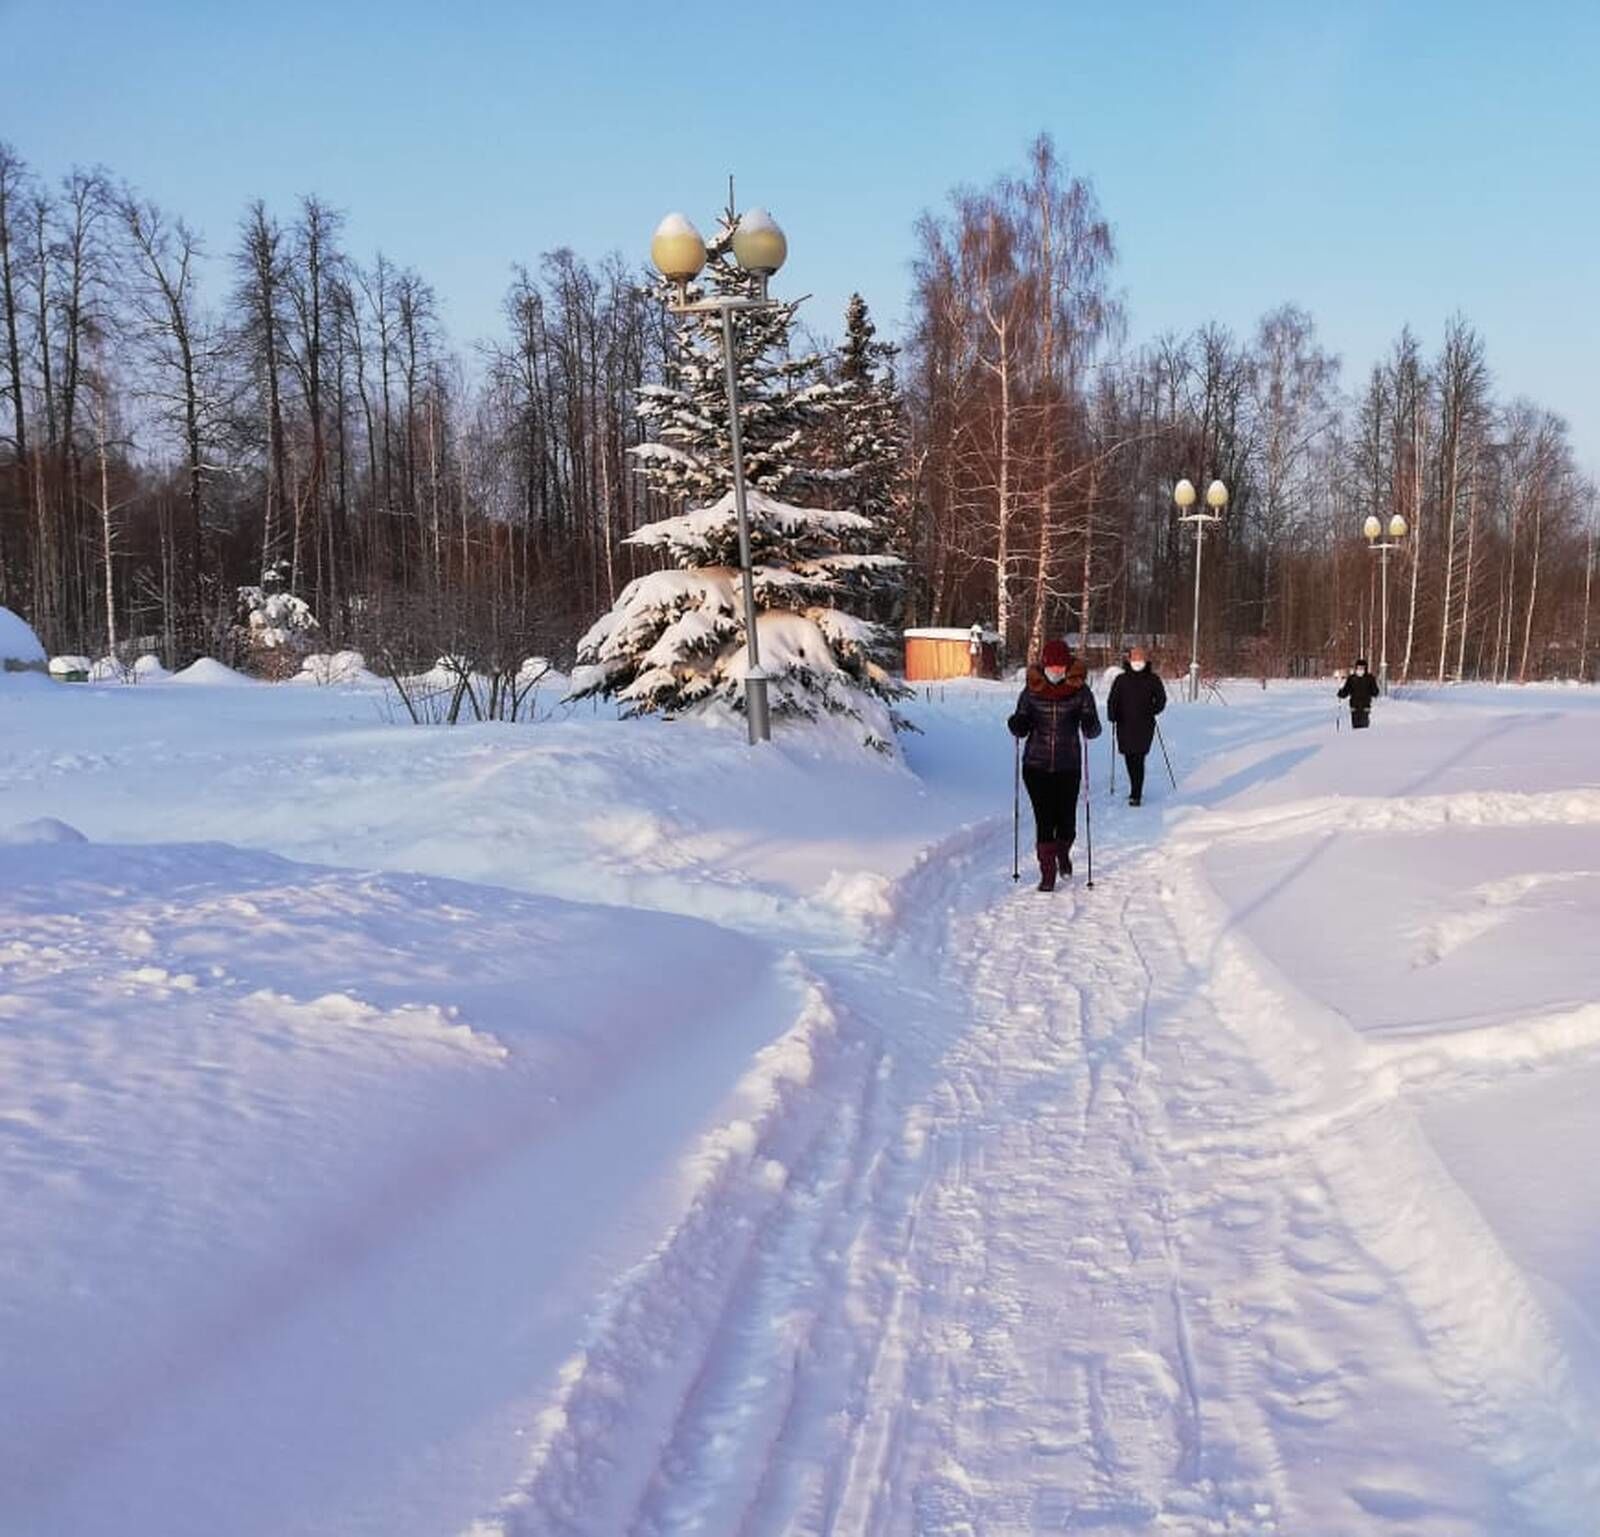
column 755, row 684
column 1383, row 643
column 1088, row 815
column 1194, row 644
column 1016, row 816
column 1163, row 741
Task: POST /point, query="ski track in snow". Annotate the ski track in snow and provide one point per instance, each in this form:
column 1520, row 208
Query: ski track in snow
column 1095, row 1225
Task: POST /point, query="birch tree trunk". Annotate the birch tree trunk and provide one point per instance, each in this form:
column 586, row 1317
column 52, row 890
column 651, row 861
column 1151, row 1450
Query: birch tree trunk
column 1002, row 562
column 1047, row 383
column 1508, row 599
column 1468, row 576
column 1418, row 439
column 107, row 536
column 1088, row 559
column 1588, row 586
column 1448, row 512
column 1533, row 586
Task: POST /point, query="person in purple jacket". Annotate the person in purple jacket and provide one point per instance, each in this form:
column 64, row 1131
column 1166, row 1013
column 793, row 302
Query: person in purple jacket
column 1053, row 710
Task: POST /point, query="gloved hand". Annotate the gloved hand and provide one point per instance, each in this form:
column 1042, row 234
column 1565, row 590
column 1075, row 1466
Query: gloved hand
column 1017, row 725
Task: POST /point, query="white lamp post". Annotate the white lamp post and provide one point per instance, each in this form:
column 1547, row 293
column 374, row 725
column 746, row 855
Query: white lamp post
column 1372, row 528
column 1183, row 494
column 759, row 247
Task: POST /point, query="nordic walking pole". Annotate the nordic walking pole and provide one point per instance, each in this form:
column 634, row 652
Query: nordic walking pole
column 1088, row 820
column 1016, row 816
column 1113, row 758
column 1163, row 741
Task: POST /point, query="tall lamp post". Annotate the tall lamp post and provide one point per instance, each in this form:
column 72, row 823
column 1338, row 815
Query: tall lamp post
column 1372, row 528
column 1183, row 494
column 759, row 247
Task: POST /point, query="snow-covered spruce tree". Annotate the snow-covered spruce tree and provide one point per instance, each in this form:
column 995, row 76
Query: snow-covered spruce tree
column 276, row 628
column 869, row 432
column 675, row 640
column 871, row 422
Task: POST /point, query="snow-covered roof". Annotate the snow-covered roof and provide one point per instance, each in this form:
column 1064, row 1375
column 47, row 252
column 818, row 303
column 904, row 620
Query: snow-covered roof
column 950, row 634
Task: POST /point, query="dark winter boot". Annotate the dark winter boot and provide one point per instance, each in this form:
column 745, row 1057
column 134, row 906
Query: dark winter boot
column 1047, row 866
column 1064, row 857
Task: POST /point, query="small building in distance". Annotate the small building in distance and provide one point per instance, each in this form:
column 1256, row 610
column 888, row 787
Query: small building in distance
column 936, row 654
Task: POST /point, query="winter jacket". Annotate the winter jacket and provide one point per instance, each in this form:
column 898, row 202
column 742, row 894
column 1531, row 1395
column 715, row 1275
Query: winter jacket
column 1135, row 700
column 1050, row 716
column 1360, row 688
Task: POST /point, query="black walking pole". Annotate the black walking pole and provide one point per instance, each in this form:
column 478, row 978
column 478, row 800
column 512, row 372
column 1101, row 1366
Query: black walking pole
column 1088, row 819
column 1163, row 741
column 1016, row 817
column 1113, row 757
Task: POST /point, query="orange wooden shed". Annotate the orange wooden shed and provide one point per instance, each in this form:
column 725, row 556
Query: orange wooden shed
column 934, row 654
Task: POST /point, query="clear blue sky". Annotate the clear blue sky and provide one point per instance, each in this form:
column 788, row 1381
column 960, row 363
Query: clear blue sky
column 1378, row 163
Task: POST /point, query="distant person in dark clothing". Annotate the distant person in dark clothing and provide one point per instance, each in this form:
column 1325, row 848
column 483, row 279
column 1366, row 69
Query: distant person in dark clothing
column 1360, row 688
column 1137, row 697
column 1052, row 710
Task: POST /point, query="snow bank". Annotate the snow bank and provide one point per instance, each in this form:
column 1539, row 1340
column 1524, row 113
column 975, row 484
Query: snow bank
column 327, row 1164
column 212, row 673
column 40, row 830
column 19, row 646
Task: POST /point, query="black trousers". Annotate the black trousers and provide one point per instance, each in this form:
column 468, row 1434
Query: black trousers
column 1055, row 804
column 1360, row 718
column 1135, row 762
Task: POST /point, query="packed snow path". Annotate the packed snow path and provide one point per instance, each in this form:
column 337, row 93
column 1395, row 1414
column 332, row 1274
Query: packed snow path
column 1087, row 1236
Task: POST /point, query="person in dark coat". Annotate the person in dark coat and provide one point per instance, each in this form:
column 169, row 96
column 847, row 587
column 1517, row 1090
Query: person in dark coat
column 1360, row 688
column 1137, row 697
column 1052, row 711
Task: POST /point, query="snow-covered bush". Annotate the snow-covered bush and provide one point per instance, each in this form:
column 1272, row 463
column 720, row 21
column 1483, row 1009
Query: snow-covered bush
column 276, row 628
column 111, row 669
column 457, row 688
column 325, row 668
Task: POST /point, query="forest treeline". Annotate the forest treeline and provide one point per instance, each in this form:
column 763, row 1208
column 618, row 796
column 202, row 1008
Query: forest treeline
column 180, row 419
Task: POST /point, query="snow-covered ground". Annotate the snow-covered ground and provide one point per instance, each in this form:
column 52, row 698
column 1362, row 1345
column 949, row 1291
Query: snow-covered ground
column 602, row 1127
